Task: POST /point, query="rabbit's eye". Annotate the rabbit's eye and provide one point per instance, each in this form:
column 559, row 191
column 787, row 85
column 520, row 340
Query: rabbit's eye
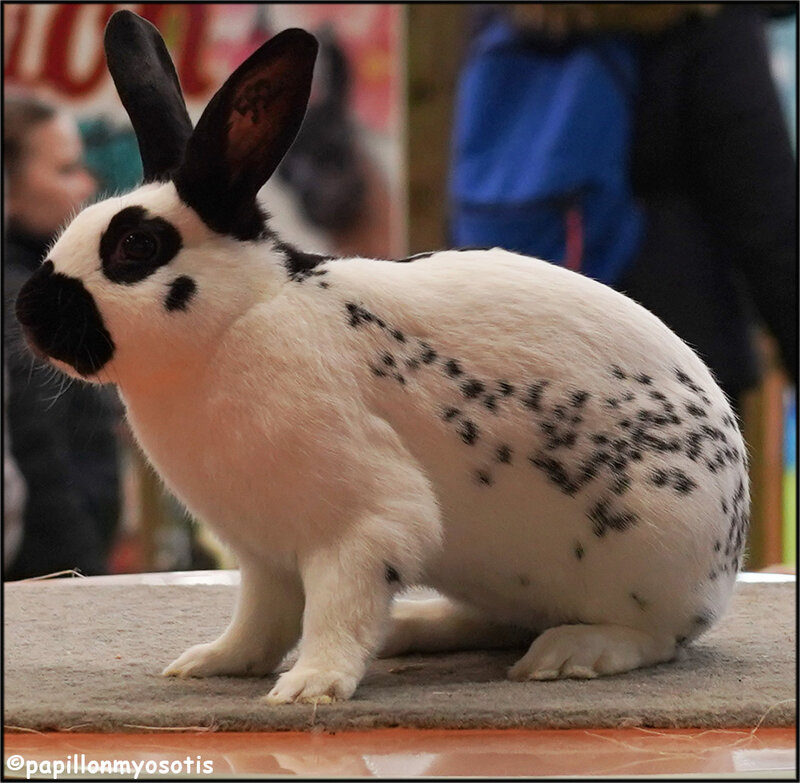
column 135, row 245
column 139, row 246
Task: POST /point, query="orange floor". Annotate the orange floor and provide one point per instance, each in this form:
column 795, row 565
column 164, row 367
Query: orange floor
column 402, row 753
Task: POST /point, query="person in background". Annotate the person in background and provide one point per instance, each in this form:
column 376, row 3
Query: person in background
column 61, row 432
column 13, row 491
column 711, row 166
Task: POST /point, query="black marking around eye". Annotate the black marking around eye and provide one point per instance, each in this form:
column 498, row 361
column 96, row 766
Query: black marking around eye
column 181, row 290
column 119, row 267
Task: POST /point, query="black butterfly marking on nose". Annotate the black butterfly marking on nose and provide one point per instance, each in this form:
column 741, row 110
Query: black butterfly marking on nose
column 61, row 320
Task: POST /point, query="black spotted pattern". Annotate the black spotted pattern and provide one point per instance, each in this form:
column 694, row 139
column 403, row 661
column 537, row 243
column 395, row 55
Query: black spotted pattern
column 642, row 424
column 301, row 265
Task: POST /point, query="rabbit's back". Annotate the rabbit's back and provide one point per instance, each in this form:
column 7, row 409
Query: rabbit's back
column 587, row 466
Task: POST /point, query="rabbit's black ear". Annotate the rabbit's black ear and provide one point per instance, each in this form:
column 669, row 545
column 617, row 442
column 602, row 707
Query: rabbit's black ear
column 148, row 86
column 245, row 131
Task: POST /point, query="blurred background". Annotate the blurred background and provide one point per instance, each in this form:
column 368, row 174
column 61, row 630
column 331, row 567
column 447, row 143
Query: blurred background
column 652, row 146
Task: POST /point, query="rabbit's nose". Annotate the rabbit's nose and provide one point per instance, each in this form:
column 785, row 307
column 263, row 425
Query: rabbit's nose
column 61, row 321
column 29, row 302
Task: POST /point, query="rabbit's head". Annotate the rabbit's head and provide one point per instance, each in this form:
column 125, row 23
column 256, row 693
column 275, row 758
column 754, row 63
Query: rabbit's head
column 138, row 284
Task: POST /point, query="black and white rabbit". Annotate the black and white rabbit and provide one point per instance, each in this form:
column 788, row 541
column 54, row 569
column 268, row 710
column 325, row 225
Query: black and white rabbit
column 534, row 445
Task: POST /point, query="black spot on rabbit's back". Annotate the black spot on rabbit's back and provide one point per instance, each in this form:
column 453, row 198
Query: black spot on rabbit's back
column 358, row 315
column 429, row 253
column 301, row 265
column 472, row 388
column 453, row 368
column 415, row 257
column 484, row 477
column 136, row 244
column 504, row 454
column 468, row 432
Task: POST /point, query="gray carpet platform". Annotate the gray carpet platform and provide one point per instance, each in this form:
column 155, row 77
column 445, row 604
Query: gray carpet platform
column 87, row 658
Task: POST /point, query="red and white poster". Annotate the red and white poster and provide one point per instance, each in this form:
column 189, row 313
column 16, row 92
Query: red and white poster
column 345, row 194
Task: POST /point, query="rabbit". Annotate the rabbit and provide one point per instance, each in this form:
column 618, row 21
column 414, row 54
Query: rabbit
column 534, row 446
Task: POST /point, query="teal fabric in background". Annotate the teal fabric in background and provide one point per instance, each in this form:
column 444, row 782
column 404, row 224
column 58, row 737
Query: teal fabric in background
column 112, row 155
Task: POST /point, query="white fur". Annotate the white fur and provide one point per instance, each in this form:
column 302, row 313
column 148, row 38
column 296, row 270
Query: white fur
column 260, row 409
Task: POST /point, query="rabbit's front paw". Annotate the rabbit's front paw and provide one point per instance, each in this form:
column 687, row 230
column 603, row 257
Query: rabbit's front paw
column 218, row 659
column 312, row 686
